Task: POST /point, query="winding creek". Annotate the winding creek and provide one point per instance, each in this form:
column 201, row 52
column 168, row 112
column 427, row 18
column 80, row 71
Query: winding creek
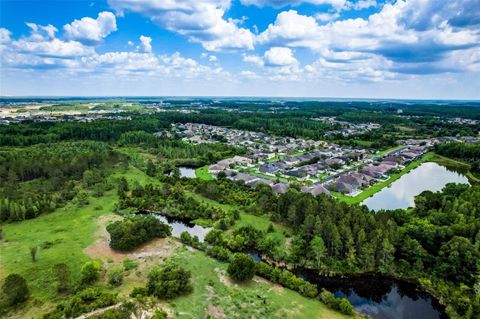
column 401, row 193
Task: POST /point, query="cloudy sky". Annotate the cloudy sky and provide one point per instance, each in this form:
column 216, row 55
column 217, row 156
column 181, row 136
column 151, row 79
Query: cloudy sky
column 313, row 48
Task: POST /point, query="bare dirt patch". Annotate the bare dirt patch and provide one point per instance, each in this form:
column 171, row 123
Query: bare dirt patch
column 223, row 277
column 156, row 249
column 276, row 287
column 214, row 312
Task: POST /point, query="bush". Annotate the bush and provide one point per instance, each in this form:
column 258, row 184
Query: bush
column 125, row 311
column 327, row 297
column 214, row 237
column 115, row 277
column 129, row 264
column 62, row 276
column 242, row 267
column 15, row 289
column 340, row 304
column 83, row 301
column 169, row 281
column 139, row 292
column 131, row 233
column 90, row 272
column 344, row 306
column 219, row 253
column 186, row 238
column 159, row 314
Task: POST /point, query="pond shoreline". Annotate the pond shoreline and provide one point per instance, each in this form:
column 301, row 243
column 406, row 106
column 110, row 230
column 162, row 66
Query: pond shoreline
column 320, row 279
column 428, row 176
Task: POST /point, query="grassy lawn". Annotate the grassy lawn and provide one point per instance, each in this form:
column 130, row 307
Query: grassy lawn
column 428, row 157
column 214, row 293
column 388, row 150
column 203, row 173
column 68, row 230
column 134, row 175
column 274, row 178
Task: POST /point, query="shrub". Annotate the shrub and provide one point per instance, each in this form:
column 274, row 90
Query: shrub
column 219, row 253
column 62, row 276
column 90, row 272
column 130, row 233
column 125, row 311
column 15, row 289
column 340, row 304
column 159, row 314
column 186, row 238
column 344, row 306
column 327, row 297
column 115, row 277
column 169, row 281
column 214, row 237
column 242, row 267
column 83, row 301
column 139, row 292
column 129, row 264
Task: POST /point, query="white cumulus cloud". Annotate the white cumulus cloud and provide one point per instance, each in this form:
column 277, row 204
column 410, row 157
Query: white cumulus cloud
column 200, row 20
column 278, row 56
column 337, row 4
column 91, row 31
column 413, row 36
column 146, row 43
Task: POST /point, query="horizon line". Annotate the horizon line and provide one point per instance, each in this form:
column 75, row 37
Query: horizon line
column 233, row 96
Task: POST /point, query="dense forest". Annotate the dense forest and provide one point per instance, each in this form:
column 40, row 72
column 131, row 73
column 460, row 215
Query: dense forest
column 40, row 178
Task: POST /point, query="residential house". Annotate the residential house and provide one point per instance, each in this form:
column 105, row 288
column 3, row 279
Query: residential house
column 315, row 190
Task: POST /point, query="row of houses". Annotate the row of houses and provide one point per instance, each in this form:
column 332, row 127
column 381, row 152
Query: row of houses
column 321, row 161
column 259, row 144
column 251, row 180
column 351, row 182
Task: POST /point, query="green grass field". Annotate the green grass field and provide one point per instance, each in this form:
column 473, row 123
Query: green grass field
column 203, row 173
column 68, row 230
column 214, row 293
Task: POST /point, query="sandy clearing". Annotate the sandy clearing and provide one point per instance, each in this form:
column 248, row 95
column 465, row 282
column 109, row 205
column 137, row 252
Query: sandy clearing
column 159, row 248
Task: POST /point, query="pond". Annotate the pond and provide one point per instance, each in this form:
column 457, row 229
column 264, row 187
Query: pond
column 376, row 296
column 402, row 192
column 381, row 297
column 179, row 226
column 187, row 172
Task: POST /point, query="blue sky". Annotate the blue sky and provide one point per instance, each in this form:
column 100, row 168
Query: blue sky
column 313, row 48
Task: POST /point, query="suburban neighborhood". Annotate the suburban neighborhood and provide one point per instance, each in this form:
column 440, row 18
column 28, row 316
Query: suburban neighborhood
column 317, row 167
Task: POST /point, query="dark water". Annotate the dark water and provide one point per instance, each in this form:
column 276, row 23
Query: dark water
column 179, row 226
column 381, row 297
column 377, row 296
column 402, row 192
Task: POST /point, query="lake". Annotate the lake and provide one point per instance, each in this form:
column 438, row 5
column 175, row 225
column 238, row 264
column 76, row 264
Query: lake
column 179, row 226
column 381, row 297
column 187, row 172
column 402, row 192
column 376, row 296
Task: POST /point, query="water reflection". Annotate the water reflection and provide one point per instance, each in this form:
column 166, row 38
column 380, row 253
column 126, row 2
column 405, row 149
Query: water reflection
column 178, row 227
column 187, row 172
column 380, row 297
column 402, row 192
